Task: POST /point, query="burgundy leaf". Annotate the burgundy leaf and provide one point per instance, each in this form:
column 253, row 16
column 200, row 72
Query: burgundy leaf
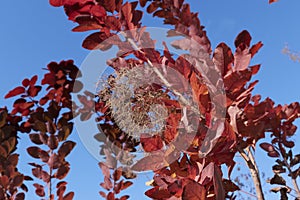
column 69, row 196
column 35, row 138
column 52, row 142
column 267, row 147
column 18, row 180
column 158, row 193
column 20, row 196
column 16, row 91
column 242, row 59
column 57, row 3
column 110, row 196
column 39, row 190
column 223, row 58
column 105, row 169
column 254, row 49
column 243, row 38
column 194, row 191
column 151, row 143
column 34, row 152
column 97, row 40
column 62, row 172
column 152, row 162
column 66, row 148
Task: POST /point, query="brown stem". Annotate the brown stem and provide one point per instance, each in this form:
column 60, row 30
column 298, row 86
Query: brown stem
column 250, row 161
column 296, row 187
column 50, row 181
column 294, row 181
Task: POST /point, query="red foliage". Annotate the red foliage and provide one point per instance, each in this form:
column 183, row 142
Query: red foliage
column 186, row 162
column 49, row 125
column 247, row 117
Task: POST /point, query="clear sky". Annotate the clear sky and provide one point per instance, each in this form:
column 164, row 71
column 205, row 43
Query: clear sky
column 33, row 33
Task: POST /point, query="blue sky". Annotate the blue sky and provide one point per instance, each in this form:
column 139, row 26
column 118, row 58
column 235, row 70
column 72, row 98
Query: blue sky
column 33, row 33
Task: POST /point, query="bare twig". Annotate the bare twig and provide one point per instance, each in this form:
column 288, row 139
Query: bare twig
column 250, row 161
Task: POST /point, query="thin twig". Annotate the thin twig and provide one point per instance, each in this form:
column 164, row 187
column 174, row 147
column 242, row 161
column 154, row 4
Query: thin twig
column 294, row 181
column 250, row 161
column 50, row 181
column 248, row 193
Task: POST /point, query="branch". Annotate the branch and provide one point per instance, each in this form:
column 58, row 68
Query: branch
column 288, row 166
column 250, row 161
column 50, row 181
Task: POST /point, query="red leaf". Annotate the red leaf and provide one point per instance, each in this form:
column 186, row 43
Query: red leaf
column 194, row 191
column 126, row 185
column 16, row 91
column 4, row 181
column 35, row 138
column 52, row 142
column 125, row 197
column 143, row 2
column 33, row 80
column 34, row 152
column 37, row 172
column 69, row 196
column 109, row 5
column 218, row 183
column 60, row 191
column 242, row 58
column 152, row 162
column 127, row 13
column 111, row 161
column 243, row 38
column 98, row 11
column 175, row 189
column 57, row 3
column 223, row 58
column 158, row 193
column 34, row 90
column 254, row 69
column 254, row 49
column 86, row 23
column 18, row 180
column 44, row 155
column 150, row 144
column 97, row 41
column 61, row 184
column 110, row 196
column 20, row 196
column 45, row 176
column 160, row 13
column 102, row 194
column 272, row 1
column 273, row 154
column 25, row 82
column 107, row 184
column 62, row 172
column 152, row 7
column 267, row 147
column 66, row 148
column 105, row 169
column 39, row 190
column 113, row 23
column 43, row 100
column 117, row 174
column 13, row 159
